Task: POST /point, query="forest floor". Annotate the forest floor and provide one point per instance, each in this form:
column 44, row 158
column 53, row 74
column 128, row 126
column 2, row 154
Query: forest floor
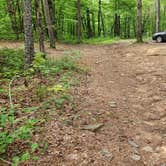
column 121, row 114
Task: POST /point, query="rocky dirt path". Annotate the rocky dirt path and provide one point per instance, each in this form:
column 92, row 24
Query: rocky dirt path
column 126, row 93
column 123, row 99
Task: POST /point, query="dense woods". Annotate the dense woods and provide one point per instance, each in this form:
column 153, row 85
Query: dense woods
column 71, row 20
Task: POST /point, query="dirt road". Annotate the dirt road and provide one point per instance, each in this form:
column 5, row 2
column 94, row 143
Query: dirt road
column 126, row 92
column 133, row 78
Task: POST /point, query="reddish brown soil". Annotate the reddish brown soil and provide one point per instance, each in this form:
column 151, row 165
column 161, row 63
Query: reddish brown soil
column 133, row 78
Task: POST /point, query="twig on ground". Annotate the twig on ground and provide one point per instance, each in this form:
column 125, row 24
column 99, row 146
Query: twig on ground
column 5, row 161
column 10, row 93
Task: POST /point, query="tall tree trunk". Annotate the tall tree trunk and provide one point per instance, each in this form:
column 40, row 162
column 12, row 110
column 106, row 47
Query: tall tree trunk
column 134, row 27
column 12, row 10
column 44, row 18
column 103, row 25
column 20, row 15
column 51, row 4
column 28, row 33
column 84, row 24
column 93, row 24
column 128, row 28
column 139, row 21
column 79, row 21
column 157, row 15
column 49, row 22
column 117, row 25
column 99, row 19
column 116, row 19
column 89, row 29
column 40, row 26
column 125, row 27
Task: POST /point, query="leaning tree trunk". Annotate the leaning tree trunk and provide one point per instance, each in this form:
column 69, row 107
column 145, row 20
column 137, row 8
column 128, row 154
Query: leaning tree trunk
column 139, row 21
column 40, row 26
column 49, row 22
column 157, row 15
column 51, row 4
column 79, row 21
column 28, row 33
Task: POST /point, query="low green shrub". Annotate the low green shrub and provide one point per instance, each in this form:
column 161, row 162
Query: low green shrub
column 12, row 62
column 13, row 130
column 48, row 87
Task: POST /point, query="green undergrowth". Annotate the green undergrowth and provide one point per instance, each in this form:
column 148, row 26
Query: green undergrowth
column 30, row 98
column 101, row 40
column 11, row 61
column 97, row 40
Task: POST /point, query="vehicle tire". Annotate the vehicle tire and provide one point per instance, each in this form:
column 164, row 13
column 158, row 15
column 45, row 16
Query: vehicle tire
column 159, row 39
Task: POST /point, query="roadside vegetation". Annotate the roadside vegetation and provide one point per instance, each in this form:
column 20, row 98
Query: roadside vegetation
column 28, row 100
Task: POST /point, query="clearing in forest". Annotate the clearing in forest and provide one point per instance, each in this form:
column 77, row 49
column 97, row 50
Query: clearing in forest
column 120, row 118
column 126, row 92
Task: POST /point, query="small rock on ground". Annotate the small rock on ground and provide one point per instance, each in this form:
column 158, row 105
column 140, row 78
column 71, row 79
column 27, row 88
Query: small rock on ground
column 113, row 104
column 108, row 155
column 132, row 143
column 135, row 157
column 147, row 149
column 93, row 127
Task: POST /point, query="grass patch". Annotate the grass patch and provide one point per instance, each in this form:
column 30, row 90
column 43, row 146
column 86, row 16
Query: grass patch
column 97, row 40
column 101, row 40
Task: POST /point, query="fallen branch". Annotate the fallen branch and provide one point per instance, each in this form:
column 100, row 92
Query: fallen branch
column 5, row 161
column 10, row 93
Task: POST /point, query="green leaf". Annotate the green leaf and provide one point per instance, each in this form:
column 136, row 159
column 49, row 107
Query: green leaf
column 16, row 160
column 35, row 158
column 34, row 147
column 31, row 109
column 25, row 157
column 57, row 88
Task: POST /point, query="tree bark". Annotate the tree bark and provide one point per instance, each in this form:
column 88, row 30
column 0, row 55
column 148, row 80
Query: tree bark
column 79, row 21
column 93, row 24
column 89, row 29
column 99, row 19
column 28, row 33
column 12, row 10
column 51, row 4
column 49, row 23
column 40, row 26
column 139, row 21
column 117, row 25
column 116, row 19
column 157, row 15
column 103, row 25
